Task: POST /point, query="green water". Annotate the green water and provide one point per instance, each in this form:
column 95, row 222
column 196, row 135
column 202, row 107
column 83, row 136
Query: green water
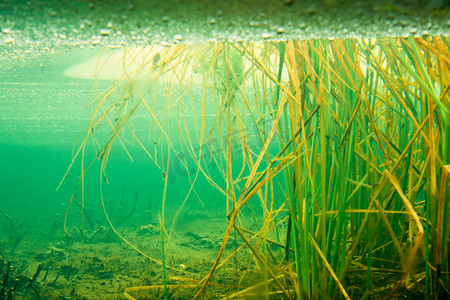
column 44, row 115
column 119, row 181
column 375, row 65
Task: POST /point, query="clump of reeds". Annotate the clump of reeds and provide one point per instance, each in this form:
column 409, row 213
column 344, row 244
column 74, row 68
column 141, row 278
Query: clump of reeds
column 361, row 162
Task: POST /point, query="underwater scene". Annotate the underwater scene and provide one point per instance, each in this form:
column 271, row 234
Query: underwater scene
column 314, row 169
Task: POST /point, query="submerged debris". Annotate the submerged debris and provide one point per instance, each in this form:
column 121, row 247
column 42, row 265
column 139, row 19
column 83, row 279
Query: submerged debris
column 149, row 229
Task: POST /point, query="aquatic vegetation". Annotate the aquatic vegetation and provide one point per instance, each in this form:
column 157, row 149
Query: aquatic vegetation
column 16, row 232
column 14, row 284
column 337, row 152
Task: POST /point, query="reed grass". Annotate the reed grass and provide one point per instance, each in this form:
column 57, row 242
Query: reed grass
column 360, row 178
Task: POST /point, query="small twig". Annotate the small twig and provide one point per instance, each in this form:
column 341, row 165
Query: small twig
column 35, row 276
column 54, row 281
column 82, row 235
column 133, row 209
column 10, row 221
column 46, row 274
